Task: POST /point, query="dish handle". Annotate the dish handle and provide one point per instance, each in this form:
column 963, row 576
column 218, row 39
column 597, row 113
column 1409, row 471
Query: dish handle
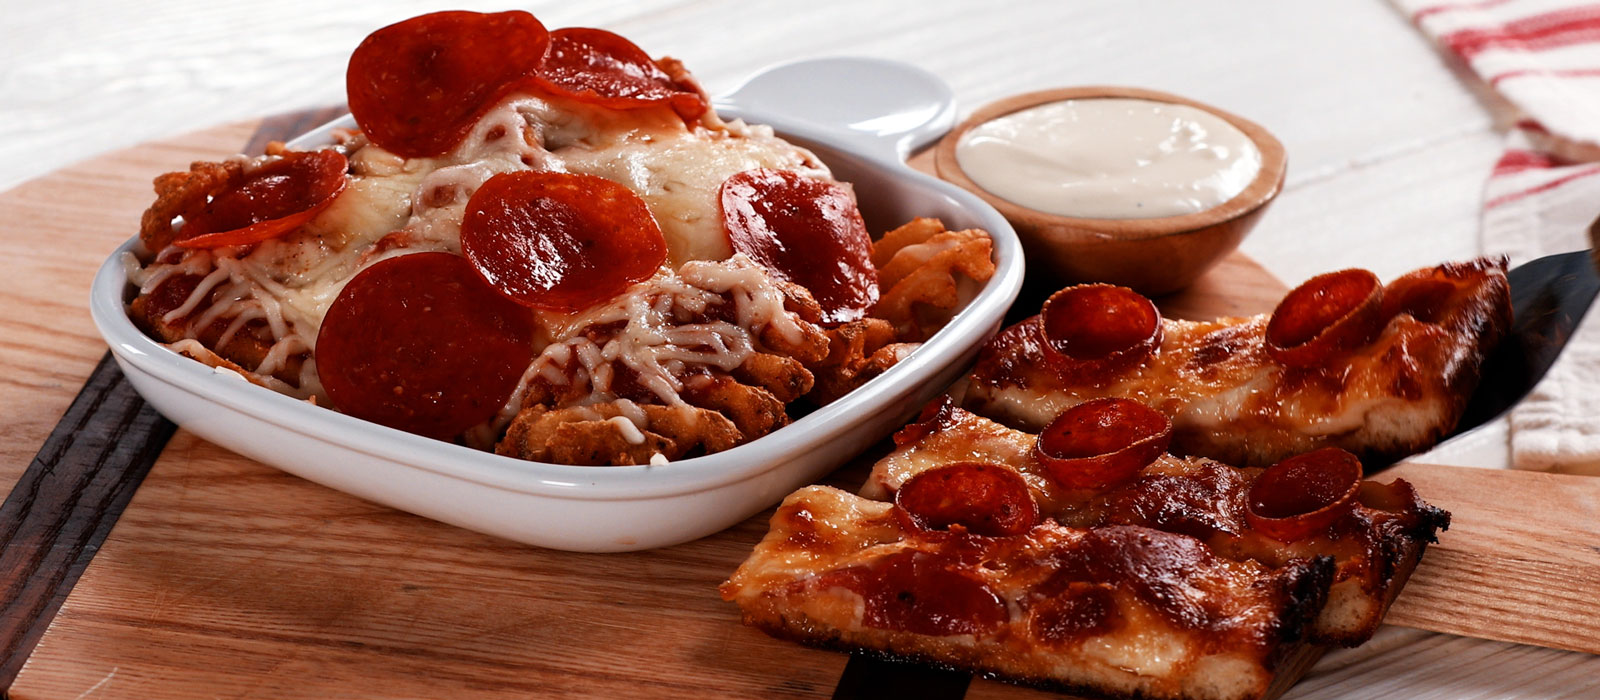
column 886, row 108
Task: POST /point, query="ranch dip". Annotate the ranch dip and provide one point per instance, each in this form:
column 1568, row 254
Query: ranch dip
column 1110, row 158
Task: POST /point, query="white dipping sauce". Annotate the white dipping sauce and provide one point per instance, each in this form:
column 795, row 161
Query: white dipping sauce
column 1110, row 158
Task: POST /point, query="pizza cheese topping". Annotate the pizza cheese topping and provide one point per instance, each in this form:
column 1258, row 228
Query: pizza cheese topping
column 1156, row 584
column 1306, row 506
column 231, row 306
column 921, row 593
column 646, row 343
column 1124, row 610
column 1381, row 371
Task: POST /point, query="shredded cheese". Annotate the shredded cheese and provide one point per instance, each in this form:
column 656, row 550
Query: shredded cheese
column 394, row 206
column 649, row 336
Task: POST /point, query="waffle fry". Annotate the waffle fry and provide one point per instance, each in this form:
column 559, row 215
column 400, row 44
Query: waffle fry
column 612, row 434
column 926, row 272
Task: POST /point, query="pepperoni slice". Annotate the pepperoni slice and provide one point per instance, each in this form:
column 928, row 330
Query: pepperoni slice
column 1101, row 443
column 420, row 343
column 417, row 87
column 985, row 499
column 276, row 198
column 1329, row 314
column 1435, row 294
column 1303, row 494
column 1397, row 496
column 558, row 241
column 805, row 231
column 596, row 66
column 1095, row 331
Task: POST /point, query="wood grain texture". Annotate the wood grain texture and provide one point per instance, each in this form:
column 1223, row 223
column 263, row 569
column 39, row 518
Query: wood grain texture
column 54, row 232
column 286, row 126
column 1519, row 563
column 226, row 577
column 59, row 513
column 66, row 502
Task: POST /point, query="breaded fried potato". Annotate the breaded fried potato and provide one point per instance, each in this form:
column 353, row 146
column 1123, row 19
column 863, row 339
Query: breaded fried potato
column 926, row 272
column 605, row 434
column 177, row 192
column 753, row 410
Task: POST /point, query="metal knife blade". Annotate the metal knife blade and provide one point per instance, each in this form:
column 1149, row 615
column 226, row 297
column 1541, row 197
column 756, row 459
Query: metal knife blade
column 868, row 677
column 1549, row 296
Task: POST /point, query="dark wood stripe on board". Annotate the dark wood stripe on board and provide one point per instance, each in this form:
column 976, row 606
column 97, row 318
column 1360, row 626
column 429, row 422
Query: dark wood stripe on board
column 66, row 502
column 283, row 127
column 868, row 677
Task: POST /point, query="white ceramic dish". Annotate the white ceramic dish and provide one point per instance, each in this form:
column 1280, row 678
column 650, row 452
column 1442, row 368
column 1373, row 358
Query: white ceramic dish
column 868, row 116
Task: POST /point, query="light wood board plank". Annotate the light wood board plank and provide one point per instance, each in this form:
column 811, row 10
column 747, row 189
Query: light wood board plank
column 1520, row 561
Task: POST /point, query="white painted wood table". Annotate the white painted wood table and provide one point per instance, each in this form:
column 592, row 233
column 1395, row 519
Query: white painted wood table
column 1389, row 145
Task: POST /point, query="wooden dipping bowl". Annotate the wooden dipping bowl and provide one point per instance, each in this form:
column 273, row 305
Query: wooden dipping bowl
column 1152, row 256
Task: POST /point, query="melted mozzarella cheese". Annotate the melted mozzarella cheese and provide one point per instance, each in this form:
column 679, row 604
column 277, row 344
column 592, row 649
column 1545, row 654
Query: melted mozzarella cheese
column 368, row 209
column 652, row 341
column 679, row 176
column 394, row 206
column 676, row 170
column 1144, row 646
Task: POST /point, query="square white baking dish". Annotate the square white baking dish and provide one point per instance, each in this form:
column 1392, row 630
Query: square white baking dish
column 874, row 114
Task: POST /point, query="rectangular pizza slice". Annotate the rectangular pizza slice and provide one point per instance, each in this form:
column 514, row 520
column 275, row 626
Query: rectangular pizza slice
column 1375, row 541
column 1123, row 611
column 1344, row 361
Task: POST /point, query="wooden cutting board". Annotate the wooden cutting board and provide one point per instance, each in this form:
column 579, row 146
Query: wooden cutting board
column 225, row 577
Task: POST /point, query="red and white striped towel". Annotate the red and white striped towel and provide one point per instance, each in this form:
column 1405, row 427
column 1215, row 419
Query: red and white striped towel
column 1543, row 58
